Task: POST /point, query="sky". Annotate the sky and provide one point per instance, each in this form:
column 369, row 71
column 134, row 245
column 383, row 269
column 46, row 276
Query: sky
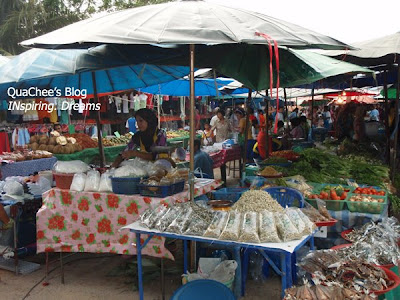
column 345, row 20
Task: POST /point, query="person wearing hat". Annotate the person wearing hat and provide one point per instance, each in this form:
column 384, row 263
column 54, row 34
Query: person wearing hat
column 145, row 139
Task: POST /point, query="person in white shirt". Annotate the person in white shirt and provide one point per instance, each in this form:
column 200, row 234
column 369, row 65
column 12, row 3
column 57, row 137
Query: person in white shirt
column 214, row 119
column 326, row 115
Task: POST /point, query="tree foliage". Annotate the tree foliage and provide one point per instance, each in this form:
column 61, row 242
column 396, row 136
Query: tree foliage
column 25, row 19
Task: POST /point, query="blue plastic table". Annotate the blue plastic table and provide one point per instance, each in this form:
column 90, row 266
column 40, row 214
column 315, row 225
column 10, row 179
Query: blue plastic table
column 285, row 250
column 27, row 167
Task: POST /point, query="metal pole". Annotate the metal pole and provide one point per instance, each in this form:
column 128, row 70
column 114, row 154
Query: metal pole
column 385, row 89
column 286, row 109
column 396, row 134
column 98, row 124
column 267, row 122
column 246, row 134
column 192, row 135
column 312, row 107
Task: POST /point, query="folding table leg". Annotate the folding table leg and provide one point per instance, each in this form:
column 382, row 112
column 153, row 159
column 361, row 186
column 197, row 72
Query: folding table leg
column 62, row 268
column 185, row 260
column 238, row 273
column 162, row 279
column 139, row 264
column 284, row 275
column 47, row 265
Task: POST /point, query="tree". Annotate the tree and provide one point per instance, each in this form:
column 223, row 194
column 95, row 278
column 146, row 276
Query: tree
column 24, row 19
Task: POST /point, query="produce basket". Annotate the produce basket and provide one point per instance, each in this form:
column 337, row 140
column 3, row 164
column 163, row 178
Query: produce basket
column 331, row 222
column 335, row 205
column 231, row 194
column 125, row 185
column 63, row 180
column 344, row 234
column 161, row 191
column 366, row 207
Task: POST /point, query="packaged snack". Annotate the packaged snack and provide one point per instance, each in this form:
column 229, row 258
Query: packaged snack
column 249, row 232
column 232, row 227
column 267, row 229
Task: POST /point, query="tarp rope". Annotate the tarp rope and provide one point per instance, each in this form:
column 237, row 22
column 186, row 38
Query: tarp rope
column 271, row 73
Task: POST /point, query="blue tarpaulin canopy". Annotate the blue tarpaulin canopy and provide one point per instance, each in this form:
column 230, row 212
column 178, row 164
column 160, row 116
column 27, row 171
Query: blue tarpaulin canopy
column 181, row 87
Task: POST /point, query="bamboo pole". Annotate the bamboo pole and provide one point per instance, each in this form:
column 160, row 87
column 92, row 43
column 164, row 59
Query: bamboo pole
column 385, row 89
column 246, row 134
column 192, row 125
column 267, row 122
column 396, row 134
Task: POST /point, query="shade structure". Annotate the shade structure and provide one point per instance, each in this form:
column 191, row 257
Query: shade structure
column 181, row 87
column 183, row 22
column 3, row 60
column 373, row 53
column 50, row 69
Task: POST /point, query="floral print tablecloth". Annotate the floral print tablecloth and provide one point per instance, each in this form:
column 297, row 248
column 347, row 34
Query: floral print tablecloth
column 72, row 221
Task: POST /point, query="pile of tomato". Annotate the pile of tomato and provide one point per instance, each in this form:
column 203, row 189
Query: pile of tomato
column 369, row 191
column 329, row 195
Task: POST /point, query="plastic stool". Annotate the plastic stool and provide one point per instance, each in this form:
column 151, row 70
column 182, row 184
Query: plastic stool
column 203, row 289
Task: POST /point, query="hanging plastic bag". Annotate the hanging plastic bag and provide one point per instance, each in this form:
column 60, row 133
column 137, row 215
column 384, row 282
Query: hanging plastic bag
column 268, row 231
column 78, row 182
column 249, row 232
column 92, row 181
column 105, row 182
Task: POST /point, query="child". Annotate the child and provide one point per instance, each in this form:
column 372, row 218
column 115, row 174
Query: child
column 208, row 135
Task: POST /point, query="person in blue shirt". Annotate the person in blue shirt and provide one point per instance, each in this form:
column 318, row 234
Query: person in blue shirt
column 131, row 124
column 374, row 114
column 202, row 161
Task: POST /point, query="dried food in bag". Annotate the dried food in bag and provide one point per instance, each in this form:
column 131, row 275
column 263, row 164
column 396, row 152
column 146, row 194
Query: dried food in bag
column 267, row 229
column 217, row 224
column 232, row 227
column 296, row 220
column 152, row 219
column 144, row 216
column 322, row 209
column 249, row 232
column 310, row 226
column 197, row 226
column 166, row 220
column 287, row 231
column 180, row 224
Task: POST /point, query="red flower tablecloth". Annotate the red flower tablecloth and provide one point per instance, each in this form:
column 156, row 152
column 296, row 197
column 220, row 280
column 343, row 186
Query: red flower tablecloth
column 72, row 221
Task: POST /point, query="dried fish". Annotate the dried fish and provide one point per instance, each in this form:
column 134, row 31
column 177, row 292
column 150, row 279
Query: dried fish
column 257, row 201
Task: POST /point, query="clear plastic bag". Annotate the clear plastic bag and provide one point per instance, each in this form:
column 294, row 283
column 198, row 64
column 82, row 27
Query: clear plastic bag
column 267, row 228
column 249, row 232
column 105, row 182
column 232, row 227
column 13, row 188
column 151, row 219
column 181, row 223
column 322, row 209
column 313, row 214
column 296, row 220
column 197, row 226
column 287, row 231
column 72, row 166
column 166, row 220
column 217, row 224
column 78, row 182
column 92, row 181
column 310, row 226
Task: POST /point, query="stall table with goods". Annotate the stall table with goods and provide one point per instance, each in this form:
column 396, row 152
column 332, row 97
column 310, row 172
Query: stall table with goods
column 255, row 222
column 72, row 221
column 25, row 164
column 90, row 154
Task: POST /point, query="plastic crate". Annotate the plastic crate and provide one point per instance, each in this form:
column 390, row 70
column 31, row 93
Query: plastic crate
column 63, row 180
column 376, row 188
column 335, row 205
column 125, row 185
column 286, row 196
column 161, row 191
column 232, row 194
column 366, row 207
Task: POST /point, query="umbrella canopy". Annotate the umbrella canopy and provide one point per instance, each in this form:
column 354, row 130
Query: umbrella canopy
column 376, row 52
column 183, row 22
column 61, row 69
column 180, row 87
column 3, row 60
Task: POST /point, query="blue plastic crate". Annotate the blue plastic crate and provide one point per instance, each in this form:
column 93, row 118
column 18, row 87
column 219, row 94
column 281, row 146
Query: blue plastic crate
column 286, row 196
column 232, row 194
column 161, row 191
column 125, row 185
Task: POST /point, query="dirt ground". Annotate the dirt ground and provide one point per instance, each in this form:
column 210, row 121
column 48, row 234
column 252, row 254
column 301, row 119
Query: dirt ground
column 95, row 276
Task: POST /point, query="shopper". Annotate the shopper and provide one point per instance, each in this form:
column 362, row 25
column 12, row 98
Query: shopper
column 294, row 114
column 131, row 124
column 221, row 127
column 208, row 135
column 202, row 161
column 326, row 115
column 374, row 114
column 144, row 140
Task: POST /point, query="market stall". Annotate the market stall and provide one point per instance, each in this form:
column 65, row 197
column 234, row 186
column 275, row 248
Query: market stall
column 27, row 167
column 72, row 221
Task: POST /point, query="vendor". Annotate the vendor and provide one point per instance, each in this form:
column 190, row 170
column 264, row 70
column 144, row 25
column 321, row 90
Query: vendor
column 202, row 161
column 57, row 128
column 148, row 137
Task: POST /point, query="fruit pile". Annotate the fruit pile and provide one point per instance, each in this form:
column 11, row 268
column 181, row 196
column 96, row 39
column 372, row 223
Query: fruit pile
column 369, row 191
